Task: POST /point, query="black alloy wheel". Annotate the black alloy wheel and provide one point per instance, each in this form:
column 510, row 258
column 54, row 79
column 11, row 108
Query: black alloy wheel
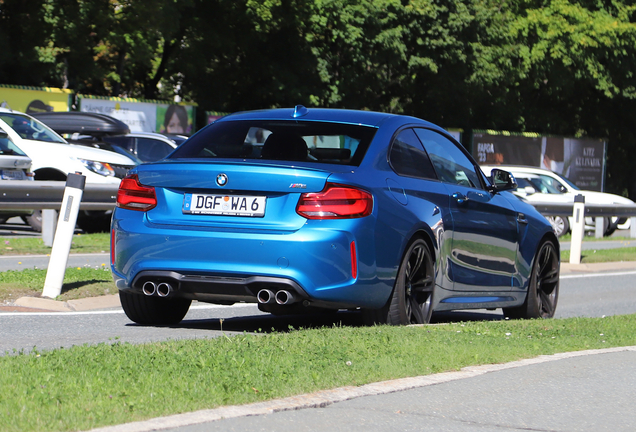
column 412, row 298
column 543, row 288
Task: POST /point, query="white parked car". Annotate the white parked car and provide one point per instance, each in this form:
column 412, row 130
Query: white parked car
column 540, row 185
column 53, row 158
column 14, row 165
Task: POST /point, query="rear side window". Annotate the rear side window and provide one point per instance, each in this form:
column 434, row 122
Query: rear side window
column 450, row 162
column 292, row 141
column 408, row 158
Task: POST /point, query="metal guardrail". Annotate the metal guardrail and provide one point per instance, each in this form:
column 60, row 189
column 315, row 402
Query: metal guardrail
column 591, row 210
column 35, row 195
column 25, row 195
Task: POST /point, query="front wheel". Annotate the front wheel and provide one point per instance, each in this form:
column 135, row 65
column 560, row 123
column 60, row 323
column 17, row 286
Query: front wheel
column 560, row 225
column 543, row 287
column 147, row 310
column 412, row 298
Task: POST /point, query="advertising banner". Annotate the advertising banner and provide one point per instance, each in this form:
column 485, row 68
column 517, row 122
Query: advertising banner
column 144, row 116
column 581, row 160
column 34, row 99
column 214, row 115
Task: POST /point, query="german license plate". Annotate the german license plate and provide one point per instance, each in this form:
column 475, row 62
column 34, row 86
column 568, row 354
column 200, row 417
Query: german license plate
column 12, row 175
column 227, row 205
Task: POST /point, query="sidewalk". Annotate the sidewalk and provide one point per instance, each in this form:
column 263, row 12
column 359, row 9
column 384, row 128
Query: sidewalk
column 577, row 391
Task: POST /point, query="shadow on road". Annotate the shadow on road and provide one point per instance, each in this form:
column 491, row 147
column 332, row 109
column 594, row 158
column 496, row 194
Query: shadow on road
column 285, row 323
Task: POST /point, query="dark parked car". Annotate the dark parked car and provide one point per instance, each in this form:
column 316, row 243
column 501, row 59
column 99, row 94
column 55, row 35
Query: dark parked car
column 322, row 209
column 106, row 132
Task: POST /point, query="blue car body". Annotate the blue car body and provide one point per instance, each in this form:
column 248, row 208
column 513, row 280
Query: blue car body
column 483, row 242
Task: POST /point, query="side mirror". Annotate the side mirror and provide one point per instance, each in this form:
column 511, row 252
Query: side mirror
column 529, row 190
column 3, row 134
column 502, row 181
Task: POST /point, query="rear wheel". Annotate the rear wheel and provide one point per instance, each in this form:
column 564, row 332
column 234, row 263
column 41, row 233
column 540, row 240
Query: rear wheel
column 148, row 310
column 543, row 287
column 412, row 298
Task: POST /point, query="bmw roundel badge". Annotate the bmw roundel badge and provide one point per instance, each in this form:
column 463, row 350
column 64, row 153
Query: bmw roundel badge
column 221, row 179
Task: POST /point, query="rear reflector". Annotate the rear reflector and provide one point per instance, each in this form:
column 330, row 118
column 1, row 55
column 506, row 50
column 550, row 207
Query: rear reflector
column 354, row 260
column 132, row 195
column 335, row 202
column 112, row 246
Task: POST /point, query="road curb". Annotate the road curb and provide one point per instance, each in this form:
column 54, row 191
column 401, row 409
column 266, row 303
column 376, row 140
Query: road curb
column 324, row 398
column 85, row 304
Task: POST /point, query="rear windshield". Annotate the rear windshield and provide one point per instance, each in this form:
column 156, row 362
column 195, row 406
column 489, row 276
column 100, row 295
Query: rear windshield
column 292, row 141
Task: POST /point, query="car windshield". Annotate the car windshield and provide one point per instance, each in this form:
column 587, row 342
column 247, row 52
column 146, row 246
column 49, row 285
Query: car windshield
column 7, row 147
column 566, row 180
column 30, row 128
column 320, row 142
column 542, row 184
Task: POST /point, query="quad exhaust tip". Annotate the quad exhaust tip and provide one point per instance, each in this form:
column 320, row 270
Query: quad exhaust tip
column 164, row 289
column 149, row 288
column 265, row 296
column 161, row 289
column 282, row 297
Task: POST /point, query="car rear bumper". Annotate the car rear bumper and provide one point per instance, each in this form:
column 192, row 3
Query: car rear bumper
column 226, row 266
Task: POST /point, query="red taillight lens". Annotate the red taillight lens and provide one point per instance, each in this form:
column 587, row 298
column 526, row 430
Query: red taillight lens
column 335, row 202
column 132, row 195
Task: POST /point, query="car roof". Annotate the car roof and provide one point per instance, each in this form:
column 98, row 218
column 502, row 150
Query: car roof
column 300, row 113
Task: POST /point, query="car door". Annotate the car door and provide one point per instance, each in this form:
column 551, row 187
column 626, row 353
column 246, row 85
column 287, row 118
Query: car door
column 416, row 186
column 485, row 238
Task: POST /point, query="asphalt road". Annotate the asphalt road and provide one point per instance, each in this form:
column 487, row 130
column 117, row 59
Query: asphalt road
column 590, row 295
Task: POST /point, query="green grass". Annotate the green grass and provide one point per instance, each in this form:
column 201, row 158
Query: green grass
column 603, row 255
column 85, row 387
column 82, row 243
column 79, row 282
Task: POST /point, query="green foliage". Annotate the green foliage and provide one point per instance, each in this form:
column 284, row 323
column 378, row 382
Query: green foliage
column 552, row 66
column 90, row 386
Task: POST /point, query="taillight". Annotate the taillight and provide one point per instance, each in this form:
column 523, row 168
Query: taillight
column 335, row 202
column 132, row 195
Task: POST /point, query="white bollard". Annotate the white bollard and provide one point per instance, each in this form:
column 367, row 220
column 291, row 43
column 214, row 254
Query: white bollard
column 49, row 223
column 578, row 229
column 64, row 235
column 599, row 227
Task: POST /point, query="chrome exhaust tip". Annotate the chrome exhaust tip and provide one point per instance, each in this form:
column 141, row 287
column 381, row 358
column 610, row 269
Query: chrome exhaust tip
column 149, row 288
column 284, row 297
column 164, row 289
column 265, row 296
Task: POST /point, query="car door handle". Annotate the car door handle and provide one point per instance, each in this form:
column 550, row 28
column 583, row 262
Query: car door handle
column 521, row 218
column 460, row 197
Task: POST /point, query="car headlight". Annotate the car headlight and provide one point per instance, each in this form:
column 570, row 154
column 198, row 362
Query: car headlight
column 101, row 168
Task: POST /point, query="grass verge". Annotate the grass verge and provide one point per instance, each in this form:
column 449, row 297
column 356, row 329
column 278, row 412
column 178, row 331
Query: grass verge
column 118, row 383
column 603, row 255
column 82, row 243
column 80, row 282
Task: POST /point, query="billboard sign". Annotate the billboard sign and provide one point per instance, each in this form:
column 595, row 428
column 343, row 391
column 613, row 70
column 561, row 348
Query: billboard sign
column 34, row 99
column 144, row 116
column 581, row 160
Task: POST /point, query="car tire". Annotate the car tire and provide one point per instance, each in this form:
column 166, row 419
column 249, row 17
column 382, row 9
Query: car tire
column 412, row 299
column 147, row 310
column 34, row 220
column 543, row 286
column 611, row 225
column 560, row 225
